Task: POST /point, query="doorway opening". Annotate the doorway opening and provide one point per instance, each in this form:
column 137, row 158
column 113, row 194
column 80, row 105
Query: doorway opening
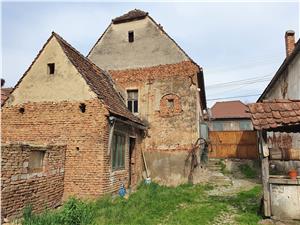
column 132, row 143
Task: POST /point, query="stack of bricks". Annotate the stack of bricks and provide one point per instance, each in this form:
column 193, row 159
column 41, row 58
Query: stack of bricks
column 21, row 188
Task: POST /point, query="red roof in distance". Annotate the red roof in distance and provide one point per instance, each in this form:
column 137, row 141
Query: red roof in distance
column 229, row 110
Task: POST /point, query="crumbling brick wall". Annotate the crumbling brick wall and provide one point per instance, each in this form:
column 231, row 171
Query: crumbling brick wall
column 22, row 187
column 169, row 104
column 63, row 123
column 88, row 166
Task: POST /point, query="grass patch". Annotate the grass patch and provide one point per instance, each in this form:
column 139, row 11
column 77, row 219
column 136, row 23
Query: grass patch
column 152, row 204
column 247, row 171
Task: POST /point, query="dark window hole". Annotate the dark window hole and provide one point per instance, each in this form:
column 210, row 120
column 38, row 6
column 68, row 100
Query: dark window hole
column 82, row 107
column 22, row 110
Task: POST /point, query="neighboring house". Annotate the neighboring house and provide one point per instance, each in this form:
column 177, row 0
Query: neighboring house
column 66, row 131
column 229, row 116
column 285, row 83
column 276, row 116
column 163, row 86
column 231, row 132
column 278, row 157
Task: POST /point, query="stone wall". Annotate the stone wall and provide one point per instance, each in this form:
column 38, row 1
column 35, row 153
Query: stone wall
column 22, row 187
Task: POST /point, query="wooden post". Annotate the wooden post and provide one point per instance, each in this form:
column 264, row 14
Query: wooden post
column 265, row 175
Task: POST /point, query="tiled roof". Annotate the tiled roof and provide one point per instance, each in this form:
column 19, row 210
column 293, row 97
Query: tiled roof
column 274, row 114
column 5, row 92
column 229, row 110
column 98, row 80
column 135, row 14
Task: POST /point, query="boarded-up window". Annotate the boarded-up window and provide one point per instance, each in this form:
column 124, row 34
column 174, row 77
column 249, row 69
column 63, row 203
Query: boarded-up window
column 118, row 151
column 132, row 100
column 36, row 161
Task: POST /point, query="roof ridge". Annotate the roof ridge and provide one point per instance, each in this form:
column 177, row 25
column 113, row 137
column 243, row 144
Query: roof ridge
column 134, row 14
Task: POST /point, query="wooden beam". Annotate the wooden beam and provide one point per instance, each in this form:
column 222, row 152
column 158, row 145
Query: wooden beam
column 265, row 176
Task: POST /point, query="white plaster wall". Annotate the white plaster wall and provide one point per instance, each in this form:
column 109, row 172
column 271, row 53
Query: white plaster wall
column 65, row 84
column 292, row 77
column 285, row 202
column 151, row 47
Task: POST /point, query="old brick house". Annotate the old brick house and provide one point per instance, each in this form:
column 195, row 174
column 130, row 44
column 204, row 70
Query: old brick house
column 276, row 117
column 65, row 131
column 163, row 86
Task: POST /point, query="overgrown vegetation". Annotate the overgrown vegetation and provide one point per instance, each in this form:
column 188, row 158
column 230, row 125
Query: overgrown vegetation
column 247, row 171
column 153, row 204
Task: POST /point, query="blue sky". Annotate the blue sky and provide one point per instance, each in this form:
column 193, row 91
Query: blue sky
column 231, row 41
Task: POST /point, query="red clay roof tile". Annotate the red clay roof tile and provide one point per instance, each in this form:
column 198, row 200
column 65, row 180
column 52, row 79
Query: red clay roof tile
column 229, row 109
column 284, row 112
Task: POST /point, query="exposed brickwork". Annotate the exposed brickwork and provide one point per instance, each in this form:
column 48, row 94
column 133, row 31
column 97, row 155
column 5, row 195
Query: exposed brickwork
column 87, row 166
column 170, row 105
column 289, row 42
column 172, row 127
column 64, row 123
column 182, row 69
column 20, row 187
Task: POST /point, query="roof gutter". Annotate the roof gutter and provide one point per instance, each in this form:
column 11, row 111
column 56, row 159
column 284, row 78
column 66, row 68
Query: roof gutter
column 112, row 119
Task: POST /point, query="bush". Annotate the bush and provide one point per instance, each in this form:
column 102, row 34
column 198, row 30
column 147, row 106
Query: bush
column 77, row 212
column 74, row 212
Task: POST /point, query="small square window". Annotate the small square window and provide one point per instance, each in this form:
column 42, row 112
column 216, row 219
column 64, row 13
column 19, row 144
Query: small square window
column 36, row 161
column 130, row 36
column 51, row 68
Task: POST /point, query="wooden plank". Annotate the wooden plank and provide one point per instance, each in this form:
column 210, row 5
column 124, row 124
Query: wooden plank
column 265, row 177
column 233, row 144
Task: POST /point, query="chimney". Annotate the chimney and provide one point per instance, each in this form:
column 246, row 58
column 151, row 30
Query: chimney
column 289, row 42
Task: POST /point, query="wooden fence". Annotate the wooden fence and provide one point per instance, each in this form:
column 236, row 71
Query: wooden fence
column 233, row 144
